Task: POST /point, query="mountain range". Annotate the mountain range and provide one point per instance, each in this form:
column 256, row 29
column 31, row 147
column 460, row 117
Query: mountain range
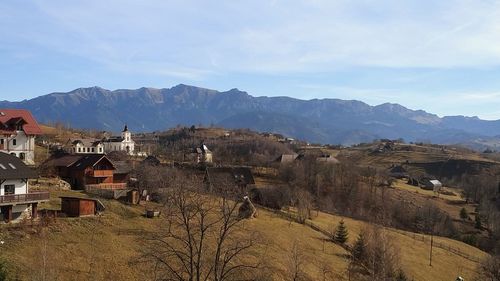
column 332, row 121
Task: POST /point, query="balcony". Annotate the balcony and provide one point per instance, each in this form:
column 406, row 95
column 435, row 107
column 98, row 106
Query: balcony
column 110, row 186
column 27, row 198
column 101, row 173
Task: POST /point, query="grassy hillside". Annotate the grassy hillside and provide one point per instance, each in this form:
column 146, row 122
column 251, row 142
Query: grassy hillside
column 414, row 251
column 109, row 247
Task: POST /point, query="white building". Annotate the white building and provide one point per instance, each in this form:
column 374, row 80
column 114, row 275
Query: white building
column 18, row 130
column 120, row 143
column 204, row 155
column 87, row 146
column 16, row 201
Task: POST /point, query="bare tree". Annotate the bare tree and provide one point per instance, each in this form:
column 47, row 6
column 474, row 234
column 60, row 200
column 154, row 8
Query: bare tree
column 202, row 238
column 295, row 270
column 489, row 270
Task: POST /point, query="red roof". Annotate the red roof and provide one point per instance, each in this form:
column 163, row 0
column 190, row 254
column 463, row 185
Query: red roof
column 30, row 128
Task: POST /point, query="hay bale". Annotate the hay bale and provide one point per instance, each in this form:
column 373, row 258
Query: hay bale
column 247, row 210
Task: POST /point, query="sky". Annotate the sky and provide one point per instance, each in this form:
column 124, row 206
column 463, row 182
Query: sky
column 439, row 56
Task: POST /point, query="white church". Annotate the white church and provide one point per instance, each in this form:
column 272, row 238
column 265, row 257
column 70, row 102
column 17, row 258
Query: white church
column 123, row 142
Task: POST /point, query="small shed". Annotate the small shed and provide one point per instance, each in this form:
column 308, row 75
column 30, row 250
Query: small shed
column 430, row 184
column 79, row 207
column 436, row 185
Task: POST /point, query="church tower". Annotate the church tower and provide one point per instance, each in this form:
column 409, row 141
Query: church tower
column 126, row 134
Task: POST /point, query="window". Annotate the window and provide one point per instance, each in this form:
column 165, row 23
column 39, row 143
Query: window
column 1, row 141
column 9, row 189
column 22, row 156
column 88, row 149
column 14, row 142
column 100, row 149
column 79, row 149
column 93, row 149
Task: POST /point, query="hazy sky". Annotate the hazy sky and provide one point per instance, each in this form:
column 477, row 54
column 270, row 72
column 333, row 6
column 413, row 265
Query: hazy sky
column 440, row 56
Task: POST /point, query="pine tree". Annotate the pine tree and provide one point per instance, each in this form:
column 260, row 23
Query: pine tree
column 359, row 250
column 341, row 234
column 401, row 276
column 463, row 214
column 478, row 221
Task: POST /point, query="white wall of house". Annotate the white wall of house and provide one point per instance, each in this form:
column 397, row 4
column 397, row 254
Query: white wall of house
column 20, row 187
column 20, row 144
column 82, row 149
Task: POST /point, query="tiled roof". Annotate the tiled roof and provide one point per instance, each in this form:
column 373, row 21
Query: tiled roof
column 12, row 167
column 7, row 116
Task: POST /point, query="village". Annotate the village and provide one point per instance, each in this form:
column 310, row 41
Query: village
column 53, row 177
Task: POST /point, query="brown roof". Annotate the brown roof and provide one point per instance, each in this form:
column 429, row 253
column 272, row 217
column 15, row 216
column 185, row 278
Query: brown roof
column 219, row 176
column 64, row 161
column 12, row 167
column 90, row 160
column 14, row 116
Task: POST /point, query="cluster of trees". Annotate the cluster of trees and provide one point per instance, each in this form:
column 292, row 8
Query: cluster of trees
column 374, row 257
column 359, row 192
column 241, row 147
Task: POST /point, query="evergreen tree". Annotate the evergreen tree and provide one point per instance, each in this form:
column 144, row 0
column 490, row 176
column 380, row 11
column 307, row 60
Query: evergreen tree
column 463, row 214
column 3, row 271
column 478, row 221
column 401, row 276
column 341, row 234
column 359, row 250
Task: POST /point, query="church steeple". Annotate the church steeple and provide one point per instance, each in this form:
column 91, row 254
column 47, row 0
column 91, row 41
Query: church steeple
column 125, row 129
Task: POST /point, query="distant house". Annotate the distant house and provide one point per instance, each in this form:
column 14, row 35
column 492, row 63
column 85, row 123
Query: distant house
column 430, row 184
column 15, row 198
column 398, row 172
column 327, row 158
column 204, row 155
column 220, row 179
column 91, row 171
column 151, row 161
column 86, row 146
column 286, row 158
column 18, row 130
column 123, row 142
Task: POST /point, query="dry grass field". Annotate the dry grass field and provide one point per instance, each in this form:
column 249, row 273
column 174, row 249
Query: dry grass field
column 414, row 253
column 108, row 247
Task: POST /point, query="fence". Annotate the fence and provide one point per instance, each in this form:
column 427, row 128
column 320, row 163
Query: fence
column 415, row 236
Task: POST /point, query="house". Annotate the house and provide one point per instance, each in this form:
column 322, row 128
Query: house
column 151, row 161
column 123, row 142
column 430, row 184
column 327, row 158
column 86, row 146
column 80, row 207
column 398, row 172
column 204, row 154
column 286, row 158
column 18, row 130
column 90, row 171
column 16, row 201
column 222, row 179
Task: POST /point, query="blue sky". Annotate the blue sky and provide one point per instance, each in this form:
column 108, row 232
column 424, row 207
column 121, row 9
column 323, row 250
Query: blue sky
column 440, row 56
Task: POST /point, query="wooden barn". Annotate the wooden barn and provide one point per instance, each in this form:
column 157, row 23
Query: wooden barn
column 220, row 179
column 91, row 171
column 80, row 207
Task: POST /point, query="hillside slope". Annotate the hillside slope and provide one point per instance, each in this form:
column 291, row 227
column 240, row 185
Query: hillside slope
column 109, row 247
